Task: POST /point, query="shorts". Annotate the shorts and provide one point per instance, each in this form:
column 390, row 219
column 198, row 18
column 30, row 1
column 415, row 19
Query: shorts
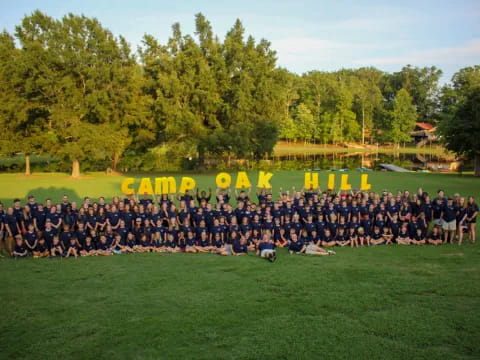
column 437, row 222
column 264, row 252
column 450, row 225
column 312, row 249
column 228, row 249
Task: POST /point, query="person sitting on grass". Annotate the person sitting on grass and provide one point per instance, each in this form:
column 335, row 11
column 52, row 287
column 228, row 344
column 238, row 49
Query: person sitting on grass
column 19, row 250
column 328, row 239
column 435, row 237
column 352, row 237
column 116, row 246
column 403, row 237
column 419, row 238
column 219, row 245
column 171, row 244
column 363, row 238
column 266, row 249
column 203, row 245
column 377, row 237
column 56, row 249
column 387, row 235
column 158, row 245
column 190, row 243
column 103, row 249
column 342, row 239
column 296, row 245
column 72, row 248
column 240, row 247
column 88, row 249
column 41, row 250
column 131, row 242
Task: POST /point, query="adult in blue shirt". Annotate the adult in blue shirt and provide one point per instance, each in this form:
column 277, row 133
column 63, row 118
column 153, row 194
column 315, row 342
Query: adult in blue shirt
column 449, row 221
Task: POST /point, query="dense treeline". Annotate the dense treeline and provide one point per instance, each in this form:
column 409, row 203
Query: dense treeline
column 71, row 89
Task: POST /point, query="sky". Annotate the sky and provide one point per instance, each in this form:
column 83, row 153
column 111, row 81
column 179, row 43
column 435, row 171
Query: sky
column 321, row 35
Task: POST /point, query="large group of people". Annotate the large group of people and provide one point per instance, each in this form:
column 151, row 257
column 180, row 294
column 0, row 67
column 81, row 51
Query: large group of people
column 307, row 221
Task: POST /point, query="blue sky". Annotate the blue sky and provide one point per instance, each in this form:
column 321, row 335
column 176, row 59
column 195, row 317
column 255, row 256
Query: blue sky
column 322, row 35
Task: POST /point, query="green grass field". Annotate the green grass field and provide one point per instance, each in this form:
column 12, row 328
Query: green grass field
column 368, row 303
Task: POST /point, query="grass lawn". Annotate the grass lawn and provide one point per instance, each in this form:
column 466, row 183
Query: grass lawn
column 54, row 185
column 383, row 302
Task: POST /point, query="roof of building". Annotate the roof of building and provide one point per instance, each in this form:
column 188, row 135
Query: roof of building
column 424, row 126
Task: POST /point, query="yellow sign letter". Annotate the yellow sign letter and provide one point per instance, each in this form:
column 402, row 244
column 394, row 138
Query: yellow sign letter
column 187, row 184
column 145, row 187
column 364, row 185
column 344, row 185
column 331, row 182
column 125, row 186
column 223, row 180
column 165, row 185
column 311, row 180
column 242, row 180
column 264, row 180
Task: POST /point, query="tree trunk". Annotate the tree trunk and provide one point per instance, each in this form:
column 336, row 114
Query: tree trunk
column 363, row 124
column 27, row 164
column 75, row 168
column 476, row 164
column 116, row 159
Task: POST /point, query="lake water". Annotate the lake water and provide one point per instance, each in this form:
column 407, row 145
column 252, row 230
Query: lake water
column 338, row 160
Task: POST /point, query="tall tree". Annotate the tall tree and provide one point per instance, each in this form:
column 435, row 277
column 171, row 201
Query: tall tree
column 21, row 120
column 77, row 76
column 404, row 116
column 423, row 86
column 460, row 125
column 368, row 97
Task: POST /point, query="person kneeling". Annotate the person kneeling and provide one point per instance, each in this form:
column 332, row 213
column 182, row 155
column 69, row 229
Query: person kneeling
column 266, row 249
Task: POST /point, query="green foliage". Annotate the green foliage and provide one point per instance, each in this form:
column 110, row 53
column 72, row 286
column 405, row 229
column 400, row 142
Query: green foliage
column 403, row 118
column 71, row 89
column 460, row 125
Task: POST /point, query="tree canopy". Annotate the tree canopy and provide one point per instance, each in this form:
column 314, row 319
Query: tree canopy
column 72, row 89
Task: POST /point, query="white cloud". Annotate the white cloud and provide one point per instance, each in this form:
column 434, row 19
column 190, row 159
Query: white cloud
column 444, row 55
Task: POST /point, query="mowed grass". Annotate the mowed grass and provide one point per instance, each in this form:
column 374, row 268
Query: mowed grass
column 55, row 185
column 383, row 303
column 367, row 303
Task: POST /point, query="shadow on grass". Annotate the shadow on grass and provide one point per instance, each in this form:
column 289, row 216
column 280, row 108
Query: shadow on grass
column 53, row 193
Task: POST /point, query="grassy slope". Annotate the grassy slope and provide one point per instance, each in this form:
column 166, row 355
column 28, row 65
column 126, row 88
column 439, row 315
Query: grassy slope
column 362, row 303
column 97, row 184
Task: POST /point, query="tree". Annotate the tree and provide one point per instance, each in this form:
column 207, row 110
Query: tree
column 404, row 116
column 368, row 96
column 20, row 120
column 422, row 85
column 76, row 72
column 460, row 126
column 304, row 123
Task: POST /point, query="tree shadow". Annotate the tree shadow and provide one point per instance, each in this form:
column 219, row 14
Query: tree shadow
column 53, row 193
